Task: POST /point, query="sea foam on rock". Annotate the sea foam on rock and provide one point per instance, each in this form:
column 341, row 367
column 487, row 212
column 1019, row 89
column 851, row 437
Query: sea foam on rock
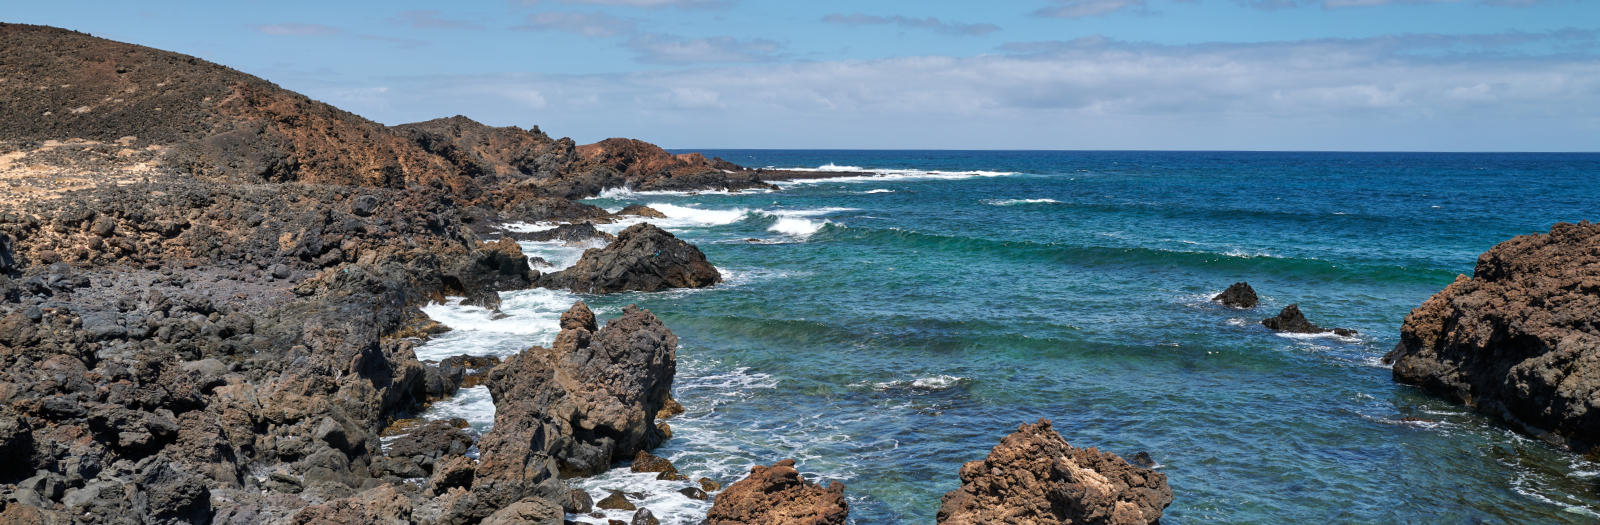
column 643, row 258
column 1034, row 477
column 1520, row 339
column 1292, row 321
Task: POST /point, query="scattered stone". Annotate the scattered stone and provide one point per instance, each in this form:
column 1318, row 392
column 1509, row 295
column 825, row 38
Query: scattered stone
column 1240, row 295
column 1034, row 476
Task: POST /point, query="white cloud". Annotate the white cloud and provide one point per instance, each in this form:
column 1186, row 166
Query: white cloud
column 930, row 23
column 591, row 25
column 1088, row 8
column 297, row 29
column 1387, row 93
column 1270, row 5
column 431, row 19
column 659, row 48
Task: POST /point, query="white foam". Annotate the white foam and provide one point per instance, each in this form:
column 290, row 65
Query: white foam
column 797, row 227
column 940, row 382
column 1014, row 202
column 472, row 404
column 879, row 174
column 527, row 318
column 661, row 497
column 880, row 190
column 700, row 216
column 1323, row 335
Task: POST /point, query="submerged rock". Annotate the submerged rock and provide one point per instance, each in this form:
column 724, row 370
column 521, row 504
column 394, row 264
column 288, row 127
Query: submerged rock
column 777, row 495
column 1240, row 295
column 1292, row 321
column 1520, row 339
column 1035, row 477
column 643, row 258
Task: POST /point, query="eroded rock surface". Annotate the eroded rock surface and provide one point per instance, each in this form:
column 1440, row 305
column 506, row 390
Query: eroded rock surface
column 1034, row 477
column 1520, row 339
column 778, row 495
column 643, row 258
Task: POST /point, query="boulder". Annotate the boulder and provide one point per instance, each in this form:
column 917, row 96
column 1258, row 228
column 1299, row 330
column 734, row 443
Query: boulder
column 571, row 234
column 531, row 511
column 643, row 258
column 777, row 495
column 1519, row 339
column 1240, row 295
column 1292, row 321
column 1033, row 476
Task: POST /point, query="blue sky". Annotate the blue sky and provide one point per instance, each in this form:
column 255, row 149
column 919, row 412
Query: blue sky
column 1370, row 75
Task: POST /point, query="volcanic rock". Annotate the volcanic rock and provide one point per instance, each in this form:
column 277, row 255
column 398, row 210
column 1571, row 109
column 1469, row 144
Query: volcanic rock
column 1292, row 321
column 777, row 495
column 616, row 501
column 643, row 258
column 1240, row 295
column 568, row 233
column 1519, row 339
column 1033, row 476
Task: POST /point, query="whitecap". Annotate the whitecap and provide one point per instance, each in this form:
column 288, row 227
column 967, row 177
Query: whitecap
column 940, row 382
column 880, row 190
column 796, row 226
column 1014, row 202
column 472, row 404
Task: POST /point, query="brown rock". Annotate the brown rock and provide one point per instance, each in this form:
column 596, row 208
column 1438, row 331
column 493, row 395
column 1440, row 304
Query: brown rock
column 1034, row 477
column 616, row 501
column 708, row 485
column 647, row 462
column 777, row 495
column 640, row 210
column 532, row 511
column 643, row 258
column 453, row 471
column 1519, row 339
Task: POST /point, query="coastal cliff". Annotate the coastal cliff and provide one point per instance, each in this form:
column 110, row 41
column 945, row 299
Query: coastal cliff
column 1520, row 338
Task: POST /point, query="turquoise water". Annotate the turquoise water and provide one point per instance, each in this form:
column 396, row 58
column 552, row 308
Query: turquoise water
column 883, row 331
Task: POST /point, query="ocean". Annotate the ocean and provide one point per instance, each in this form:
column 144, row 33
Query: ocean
column 884, row 330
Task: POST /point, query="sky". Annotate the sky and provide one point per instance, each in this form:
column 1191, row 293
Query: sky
column 1303, row 75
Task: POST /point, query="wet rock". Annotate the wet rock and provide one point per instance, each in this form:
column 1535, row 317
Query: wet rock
column 693, row 493
column 1034, row 476
column 640, row 210
column 571, row 234
column 1240, row 295
column 647, row 462
column 1518, row 339
column 643, row 258
column 616, row 501
column 708, row 485
column 777, row 495
column 1292, row 321
column 644, row 517
column 579, row 502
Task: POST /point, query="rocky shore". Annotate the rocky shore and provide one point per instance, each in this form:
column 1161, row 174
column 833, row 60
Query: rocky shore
column 1520, row 339
column 211, row 292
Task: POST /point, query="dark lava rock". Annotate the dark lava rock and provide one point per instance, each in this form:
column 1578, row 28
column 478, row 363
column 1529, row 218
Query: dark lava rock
column 567, row 233
column 1240, row 295
column 580, row 502
column 1520, row 339
column 1034, row 476
column 647, row 462
column 433, row 440
column 1292, row 321
column 693, row 493
column 644, row 517
column 777, row 495
column 643, row 258
column 530, row 511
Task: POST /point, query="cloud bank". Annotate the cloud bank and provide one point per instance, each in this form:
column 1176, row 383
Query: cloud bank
column 929, row 23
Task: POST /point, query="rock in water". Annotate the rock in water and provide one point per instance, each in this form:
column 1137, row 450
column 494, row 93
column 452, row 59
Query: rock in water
column 1292, row 321
column 567, row 233
column 1520, row 339
column 639, row 210
column 643, row 258
column 777, row 495
column 1033, row 476
column 1240, row 295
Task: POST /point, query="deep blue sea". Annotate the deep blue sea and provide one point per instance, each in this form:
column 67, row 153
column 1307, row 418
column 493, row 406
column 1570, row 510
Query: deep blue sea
column 884, row 330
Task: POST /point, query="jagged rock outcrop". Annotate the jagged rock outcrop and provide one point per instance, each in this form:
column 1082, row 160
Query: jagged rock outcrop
column 1520, row 339
column 639, row 210
column 574, row 408
column 778, row 495
column 1034, row 477
column 1239, row 295
column 643, row 258
column 1292, row 321
column 571, row 234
